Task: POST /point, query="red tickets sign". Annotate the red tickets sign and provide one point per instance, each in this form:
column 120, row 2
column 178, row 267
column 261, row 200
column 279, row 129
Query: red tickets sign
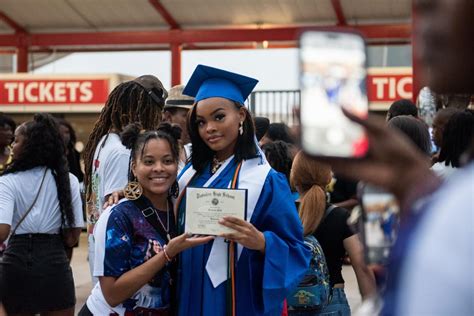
column 389, row 87
column 53, row 91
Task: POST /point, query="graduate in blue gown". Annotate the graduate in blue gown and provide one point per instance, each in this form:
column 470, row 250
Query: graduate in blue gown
column 270, row 256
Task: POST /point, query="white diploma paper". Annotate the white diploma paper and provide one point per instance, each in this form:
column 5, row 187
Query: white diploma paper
column 205, row 206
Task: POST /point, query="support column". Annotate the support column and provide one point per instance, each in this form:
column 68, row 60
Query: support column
column 176, row 63
column 22, row 59
column 417, row 84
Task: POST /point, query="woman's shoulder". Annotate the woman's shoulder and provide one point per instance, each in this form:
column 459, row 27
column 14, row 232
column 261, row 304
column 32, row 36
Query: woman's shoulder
column 338, row 213
column 118, row 214
column 21, row 176
column 124, row 206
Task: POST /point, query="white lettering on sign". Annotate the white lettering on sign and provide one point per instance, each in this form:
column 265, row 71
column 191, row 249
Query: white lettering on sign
column 60, row 92
column 396, row 89
column 380, row 82
column 86, row 91
column 401, row 87
column 45, row 92
column 11, row 86
column 72, row 87
column 49, row 92
column 29, row 92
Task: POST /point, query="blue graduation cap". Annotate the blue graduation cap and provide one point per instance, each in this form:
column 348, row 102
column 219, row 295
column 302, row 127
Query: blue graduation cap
column 207, row 82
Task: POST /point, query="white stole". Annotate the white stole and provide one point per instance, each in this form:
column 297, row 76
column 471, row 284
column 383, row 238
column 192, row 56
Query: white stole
column 253, row 174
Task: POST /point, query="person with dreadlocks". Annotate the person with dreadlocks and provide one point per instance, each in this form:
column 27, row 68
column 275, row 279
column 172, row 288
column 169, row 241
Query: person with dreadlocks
column 40, row 209
column 106, row 159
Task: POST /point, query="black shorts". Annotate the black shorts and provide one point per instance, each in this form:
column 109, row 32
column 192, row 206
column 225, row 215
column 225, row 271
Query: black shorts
column 35, row 275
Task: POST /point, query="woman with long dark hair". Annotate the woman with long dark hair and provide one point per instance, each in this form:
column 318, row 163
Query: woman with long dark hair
column 40, row 208
column 265, row 254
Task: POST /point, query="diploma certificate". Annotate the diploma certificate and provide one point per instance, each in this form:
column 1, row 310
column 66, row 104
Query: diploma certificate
column 206, row 206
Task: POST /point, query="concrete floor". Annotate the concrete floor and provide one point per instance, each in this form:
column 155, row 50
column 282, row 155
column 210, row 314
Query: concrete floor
column 82, row 278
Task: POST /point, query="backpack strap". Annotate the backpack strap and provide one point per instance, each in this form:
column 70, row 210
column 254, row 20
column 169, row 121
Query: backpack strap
column 328, row 211
column 151, row 216
column 32, row 204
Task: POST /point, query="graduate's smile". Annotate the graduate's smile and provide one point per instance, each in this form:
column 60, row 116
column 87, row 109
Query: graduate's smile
column 214, row 139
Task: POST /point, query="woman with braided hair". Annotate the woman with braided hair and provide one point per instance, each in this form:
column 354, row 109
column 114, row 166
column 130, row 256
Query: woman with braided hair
column 106, row 160
column 39, row 202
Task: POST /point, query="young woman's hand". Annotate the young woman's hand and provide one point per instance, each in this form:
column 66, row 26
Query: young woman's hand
column 245, row 233
column 183, row 242
column 113, row 199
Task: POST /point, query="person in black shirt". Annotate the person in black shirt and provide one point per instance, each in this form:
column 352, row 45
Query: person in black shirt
column 330, row 228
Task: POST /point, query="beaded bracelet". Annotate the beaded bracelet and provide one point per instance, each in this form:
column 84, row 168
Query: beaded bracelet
column 166, row 254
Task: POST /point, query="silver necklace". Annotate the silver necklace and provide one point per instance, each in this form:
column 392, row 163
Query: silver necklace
column 167, row 229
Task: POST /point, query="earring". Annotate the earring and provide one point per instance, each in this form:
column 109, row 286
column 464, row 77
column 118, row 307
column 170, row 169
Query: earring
column 174, row 190
column 133, row 190
column 241, row 127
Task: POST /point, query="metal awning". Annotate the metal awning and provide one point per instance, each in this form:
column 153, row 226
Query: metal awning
column 28, row 26
column 147, row 24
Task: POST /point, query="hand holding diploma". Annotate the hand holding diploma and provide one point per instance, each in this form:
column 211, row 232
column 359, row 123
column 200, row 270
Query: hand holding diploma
column 245, row 233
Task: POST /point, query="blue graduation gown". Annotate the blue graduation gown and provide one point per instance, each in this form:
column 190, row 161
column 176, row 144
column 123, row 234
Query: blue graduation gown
column 262, row 280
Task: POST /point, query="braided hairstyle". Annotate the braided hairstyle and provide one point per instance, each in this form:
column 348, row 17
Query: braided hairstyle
column 128, row 102
column 279, row 157
column 311, row 177
column 44, row 146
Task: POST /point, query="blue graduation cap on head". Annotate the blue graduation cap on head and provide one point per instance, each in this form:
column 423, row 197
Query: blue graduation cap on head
column 207, row 82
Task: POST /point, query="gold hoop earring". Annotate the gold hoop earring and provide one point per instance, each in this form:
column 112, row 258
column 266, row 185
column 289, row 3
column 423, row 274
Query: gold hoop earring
column 241, row 127
column 133, row 190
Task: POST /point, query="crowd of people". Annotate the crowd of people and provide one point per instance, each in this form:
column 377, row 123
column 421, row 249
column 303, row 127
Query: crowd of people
column 150, row 147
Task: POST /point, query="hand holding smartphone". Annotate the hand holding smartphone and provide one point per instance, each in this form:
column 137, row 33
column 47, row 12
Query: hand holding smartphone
column 332, row 77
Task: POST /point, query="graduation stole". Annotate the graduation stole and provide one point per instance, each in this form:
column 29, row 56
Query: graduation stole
column 251, row 176
column 231, row 258
column 231, row 248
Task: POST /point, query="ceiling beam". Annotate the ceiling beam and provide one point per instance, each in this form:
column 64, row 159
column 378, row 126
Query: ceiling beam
column 12, row 23
column 165, row 14
column 341, row 19
column 136, row 38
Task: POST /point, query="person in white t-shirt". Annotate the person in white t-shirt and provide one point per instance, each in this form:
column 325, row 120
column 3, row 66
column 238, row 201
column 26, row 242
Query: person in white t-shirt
column 41, row 210
column 106, row 160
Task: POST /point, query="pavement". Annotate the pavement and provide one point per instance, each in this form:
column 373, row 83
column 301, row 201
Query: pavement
column 82, row 278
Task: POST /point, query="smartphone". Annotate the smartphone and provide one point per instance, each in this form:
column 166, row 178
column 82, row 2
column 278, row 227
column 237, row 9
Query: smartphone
column 380, row 223
column 332, row 77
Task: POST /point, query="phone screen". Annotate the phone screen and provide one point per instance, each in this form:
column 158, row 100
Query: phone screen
column 332, row 76
column 380, row 220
